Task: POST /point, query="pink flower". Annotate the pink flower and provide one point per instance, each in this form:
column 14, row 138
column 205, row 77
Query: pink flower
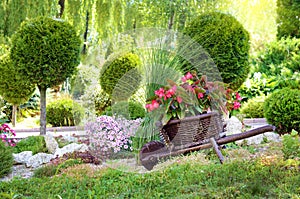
column 154, row 105
column 238, row 97
column 171, row 92
column 160, row 92
column 200, row 95
column 189, row 76
column 179, row 99
column 236, row 105
column 183, row 79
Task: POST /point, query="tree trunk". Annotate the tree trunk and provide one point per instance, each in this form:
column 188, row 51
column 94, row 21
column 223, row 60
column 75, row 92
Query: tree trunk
column 42, row 90
column 84, row 50
column 61, row 3
column 14, row 115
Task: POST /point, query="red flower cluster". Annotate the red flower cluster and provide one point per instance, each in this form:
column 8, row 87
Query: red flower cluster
column 193, row 96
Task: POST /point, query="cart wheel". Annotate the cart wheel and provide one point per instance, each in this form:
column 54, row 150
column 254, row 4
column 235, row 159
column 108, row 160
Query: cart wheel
column 149, row 154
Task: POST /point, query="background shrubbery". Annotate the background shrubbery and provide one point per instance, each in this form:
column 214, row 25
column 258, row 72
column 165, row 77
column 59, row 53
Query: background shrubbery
column 129, row 110
column 254, row 108
column 64, row 112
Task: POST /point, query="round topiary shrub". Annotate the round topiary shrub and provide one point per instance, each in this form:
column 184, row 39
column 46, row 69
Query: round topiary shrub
column 254, row 108
column 129, row 110
column 64, row 112
column 6, row 159
column 226, row 41
column 282, row 109
column 120, row 74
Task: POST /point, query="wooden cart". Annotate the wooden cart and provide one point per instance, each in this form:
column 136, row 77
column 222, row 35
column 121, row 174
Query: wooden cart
column 191, row 134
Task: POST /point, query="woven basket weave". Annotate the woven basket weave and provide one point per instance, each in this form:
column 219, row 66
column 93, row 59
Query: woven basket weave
column 192, row 129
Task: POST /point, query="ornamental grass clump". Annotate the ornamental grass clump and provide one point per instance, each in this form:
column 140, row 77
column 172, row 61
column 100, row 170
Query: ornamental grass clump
column 109, row 135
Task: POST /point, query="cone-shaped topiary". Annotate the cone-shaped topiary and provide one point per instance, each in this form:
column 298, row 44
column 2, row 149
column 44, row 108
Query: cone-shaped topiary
column 120, row 76
column 282, row 109
column 6, row 159
column 226, row 41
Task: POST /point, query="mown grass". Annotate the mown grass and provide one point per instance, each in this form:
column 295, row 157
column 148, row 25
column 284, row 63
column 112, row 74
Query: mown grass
column 235, row 179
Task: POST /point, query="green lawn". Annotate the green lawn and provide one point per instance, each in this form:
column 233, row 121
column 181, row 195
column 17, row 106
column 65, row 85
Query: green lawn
column 263, row 177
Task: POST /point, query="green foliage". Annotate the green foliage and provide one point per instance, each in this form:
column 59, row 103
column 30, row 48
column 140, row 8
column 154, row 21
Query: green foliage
column 226, row 41
column 120, row 76
column 291, row 145
column 102, row 101
column 288, row 22
column 6, row 159
column 36, row 144
column 254, row 108
column 274, row 67
column 129, row 110
column 64, row 112
column 46, row 51
column 279, row 58
column 282, row 109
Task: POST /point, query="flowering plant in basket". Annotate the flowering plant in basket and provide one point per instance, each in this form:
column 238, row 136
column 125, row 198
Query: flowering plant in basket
column 193, row 96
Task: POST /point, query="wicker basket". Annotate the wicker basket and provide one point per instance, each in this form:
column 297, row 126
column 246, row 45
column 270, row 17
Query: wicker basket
column 193, row 129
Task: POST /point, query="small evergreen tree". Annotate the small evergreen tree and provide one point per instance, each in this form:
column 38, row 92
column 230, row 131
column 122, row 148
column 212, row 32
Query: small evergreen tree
column 46, row 52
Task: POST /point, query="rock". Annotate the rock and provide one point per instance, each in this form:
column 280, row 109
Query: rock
column 70, row 149
column 51, row 143
column 234, row 126
column 22, row 158
column 258, row 139
column 39, row 159
column 70, row 138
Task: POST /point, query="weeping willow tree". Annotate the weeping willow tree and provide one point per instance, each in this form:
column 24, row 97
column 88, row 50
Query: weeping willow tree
column 14, row 12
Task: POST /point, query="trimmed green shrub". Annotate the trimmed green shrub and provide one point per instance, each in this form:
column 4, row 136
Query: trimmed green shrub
column 226, row 41
column 129, row 110
column 288, row 18
column 36, row 144
column 120, row 76
column 254, row 108
column 282, row 109
column 64, row 112
column 6, row 159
